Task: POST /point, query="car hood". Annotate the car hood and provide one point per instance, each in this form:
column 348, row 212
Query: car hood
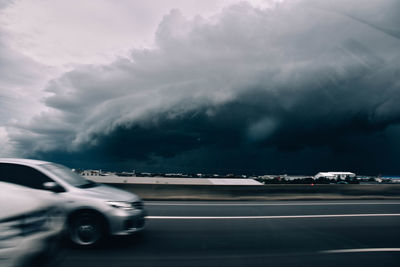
column 106, row 192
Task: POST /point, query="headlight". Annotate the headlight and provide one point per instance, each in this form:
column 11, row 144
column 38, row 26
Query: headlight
column 121, row 205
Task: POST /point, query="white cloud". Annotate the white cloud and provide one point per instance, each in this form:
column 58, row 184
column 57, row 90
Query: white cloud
column 57, row 32
column 21, row 90
column 6, row 146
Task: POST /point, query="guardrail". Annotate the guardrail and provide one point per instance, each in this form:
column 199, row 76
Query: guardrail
column 262, row 192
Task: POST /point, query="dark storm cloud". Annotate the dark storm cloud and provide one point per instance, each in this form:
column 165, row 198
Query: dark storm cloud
column 300, row 87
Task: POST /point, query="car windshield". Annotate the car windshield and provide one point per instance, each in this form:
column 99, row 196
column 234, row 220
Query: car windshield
column 68, row 176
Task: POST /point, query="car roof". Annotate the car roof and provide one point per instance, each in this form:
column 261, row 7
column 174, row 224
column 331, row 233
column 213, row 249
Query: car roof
column 23, row 161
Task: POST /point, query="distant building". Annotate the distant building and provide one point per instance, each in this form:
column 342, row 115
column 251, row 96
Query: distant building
column 91, row 173
column 297, row 177
column 126, row 174
column 335, row 175
column 391, row 179
column 284, row 177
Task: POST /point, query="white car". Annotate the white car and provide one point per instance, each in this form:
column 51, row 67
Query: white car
column 31, row 223
column 93, row 210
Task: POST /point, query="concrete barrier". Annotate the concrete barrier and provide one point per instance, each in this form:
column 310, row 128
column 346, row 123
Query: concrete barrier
column 262, row 192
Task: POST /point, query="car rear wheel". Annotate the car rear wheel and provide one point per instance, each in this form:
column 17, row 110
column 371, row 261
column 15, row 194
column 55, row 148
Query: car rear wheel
column 86, row 229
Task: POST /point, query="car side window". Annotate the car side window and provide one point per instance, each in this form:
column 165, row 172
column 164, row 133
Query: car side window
column 22, row 175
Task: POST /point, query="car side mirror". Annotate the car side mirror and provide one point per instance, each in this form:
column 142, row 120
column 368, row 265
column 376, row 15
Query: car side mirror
column 54, row 187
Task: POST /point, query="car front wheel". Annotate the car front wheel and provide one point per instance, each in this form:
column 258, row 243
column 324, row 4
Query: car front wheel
column 86, row 229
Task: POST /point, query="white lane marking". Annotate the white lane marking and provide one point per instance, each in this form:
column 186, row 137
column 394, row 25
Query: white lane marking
column 268, row 217
column 361, row 250
column 268, row 204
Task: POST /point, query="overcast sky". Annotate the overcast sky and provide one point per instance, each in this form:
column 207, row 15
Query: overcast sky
column 295, row 86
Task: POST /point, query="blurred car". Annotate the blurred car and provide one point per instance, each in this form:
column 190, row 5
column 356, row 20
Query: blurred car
column 94, row 210
column 31, row 223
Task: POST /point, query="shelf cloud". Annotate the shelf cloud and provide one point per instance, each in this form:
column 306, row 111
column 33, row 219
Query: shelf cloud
column 295, row 87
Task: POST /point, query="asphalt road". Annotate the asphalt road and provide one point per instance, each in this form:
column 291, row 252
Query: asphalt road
column 295, row 233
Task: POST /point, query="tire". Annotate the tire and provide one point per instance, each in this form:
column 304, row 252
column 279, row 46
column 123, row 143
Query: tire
column 86, row 229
